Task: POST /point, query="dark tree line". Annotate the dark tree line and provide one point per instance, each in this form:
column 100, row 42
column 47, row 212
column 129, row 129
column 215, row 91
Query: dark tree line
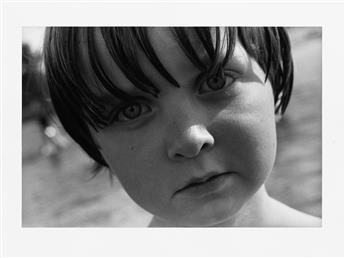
column 35, row 100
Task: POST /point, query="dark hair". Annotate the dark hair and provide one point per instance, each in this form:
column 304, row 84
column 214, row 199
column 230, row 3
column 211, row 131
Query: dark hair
column 78, row 107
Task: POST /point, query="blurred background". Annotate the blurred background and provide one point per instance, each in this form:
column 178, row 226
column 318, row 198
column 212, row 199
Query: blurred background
column 58, row 187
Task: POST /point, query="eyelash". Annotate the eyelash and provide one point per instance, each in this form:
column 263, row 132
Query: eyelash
column 225, row 76
column 143, row 108
column 120, row 116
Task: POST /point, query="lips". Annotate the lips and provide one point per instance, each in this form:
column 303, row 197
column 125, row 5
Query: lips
column 196, row 182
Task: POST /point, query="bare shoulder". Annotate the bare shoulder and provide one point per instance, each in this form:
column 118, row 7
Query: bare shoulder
column 285, row 216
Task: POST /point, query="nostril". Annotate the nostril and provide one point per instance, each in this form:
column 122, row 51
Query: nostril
column 206, row 146
column 190, row 143
column 191, row 151
column 178, row 156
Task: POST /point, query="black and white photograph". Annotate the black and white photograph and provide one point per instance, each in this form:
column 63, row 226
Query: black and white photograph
column 234, row 142
column 172, row 129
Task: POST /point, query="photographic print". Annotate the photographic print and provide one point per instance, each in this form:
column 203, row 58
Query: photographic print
column 105, row 146
column 172, row 129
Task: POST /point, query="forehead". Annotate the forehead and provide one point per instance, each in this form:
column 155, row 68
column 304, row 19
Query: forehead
column 167, row 50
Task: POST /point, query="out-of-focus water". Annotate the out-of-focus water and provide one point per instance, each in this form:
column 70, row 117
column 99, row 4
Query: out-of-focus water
column 57, row 190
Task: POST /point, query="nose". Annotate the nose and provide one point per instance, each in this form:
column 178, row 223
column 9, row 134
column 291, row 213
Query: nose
column 190, row 142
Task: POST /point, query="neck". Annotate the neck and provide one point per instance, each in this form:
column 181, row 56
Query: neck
column 259, row 205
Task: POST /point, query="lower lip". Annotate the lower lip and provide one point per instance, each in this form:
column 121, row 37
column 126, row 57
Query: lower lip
column 212, row 185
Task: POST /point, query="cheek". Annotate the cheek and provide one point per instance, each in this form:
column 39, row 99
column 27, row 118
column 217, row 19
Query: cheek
column 120, row 157
column 249, row 126
column 128, row 157
column 134, row 160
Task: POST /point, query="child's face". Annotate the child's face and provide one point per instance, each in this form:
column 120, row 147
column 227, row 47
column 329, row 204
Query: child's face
column 159, row 146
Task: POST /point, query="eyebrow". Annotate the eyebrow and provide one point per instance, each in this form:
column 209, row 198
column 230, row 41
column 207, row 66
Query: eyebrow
column 109, row 99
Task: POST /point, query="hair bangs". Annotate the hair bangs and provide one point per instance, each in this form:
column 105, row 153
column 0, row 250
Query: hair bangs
column 212, row 41
column 122, row 45
column 141, row 36
column 270, row 47
column 123, row 49
column 73, row 92
column 66, row 87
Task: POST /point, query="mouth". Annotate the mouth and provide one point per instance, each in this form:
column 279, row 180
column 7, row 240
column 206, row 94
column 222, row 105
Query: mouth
column 209, row 183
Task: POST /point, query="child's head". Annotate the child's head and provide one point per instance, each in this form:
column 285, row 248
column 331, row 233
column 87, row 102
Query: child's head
column 168, row 108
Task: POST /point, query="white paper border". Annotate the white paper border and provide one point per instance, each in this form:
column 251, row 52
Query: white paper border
column 327, row 240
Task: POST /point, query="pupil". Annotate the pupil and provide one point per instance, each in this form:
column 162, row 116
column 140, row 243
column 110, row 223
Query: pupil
column 132, row 111
column 216, row 83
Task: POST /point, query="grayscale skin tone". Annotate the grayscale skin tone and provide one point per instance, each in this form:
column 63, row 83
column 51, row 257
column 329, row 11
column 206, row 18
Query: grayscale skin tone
column 157, row 146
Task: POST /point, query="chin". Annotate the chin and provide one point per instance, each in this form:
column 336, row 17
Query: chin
column 211, row 215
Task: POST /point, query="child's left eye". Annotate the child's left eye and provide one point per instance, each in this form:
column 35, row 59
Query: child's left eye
column 215, row 83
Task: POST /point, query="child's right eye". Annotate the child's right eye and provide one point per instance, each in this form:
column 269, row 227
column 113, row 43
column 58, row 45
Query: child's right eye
column 131, row 111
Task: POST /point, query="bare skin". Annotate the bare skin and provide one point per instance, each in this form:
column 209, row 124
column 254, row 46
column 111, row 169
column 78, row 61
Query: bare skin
column 268, row 213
